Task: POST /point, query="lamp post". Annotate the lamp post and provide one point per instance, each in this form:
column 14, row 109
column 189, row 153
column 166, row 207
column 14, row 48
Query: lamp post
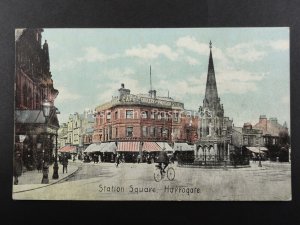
column 46, row 112
column 259, row 157
column 55, row 166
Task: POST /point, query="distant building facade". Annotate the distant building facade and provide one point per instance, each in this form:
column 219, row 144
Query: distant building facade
column 275, row 137
column 271, row 129
column 78, row 131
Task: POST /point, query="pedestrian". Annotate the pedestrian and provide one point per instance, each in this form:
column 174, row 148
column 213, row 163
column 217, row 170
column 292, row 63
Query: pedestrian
column 18, row 167
column 139, row 157
column 117, row 160
column 65, row 164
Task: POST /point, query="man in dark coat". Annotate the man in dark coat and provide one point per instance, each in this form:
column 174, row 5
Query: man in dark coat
column 163, row 159
column 18, row 167
column 65, row 164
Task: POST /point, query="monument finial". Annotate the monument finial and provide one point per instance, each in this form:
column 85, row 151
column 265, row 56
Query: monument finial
column 210, row 44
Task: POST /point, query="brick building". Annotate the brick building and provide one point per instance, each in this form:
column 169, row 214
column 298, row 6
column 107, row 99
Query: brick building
column 147, row 118
column 33, row 84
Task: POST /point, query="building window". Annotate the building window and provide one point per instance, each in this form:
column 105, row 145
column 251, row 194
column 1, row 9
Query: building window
column 129, row 114
column 116, row 132
column 152, row 131
column 145, row 133
column 152, row 115
column 129, row 131
column 116, row 115
column 145, row 114
column 245, row 140
column 176, row 115
column 108, row 116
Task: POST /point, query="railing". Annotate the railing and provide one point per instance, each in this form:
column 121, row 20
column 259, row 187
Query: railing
column 213, row 161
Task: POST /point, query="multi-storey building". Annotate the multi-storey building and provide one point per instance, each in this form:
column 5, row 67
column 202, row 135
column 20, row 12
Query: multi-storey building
column 271, row 129
column 142, row 117
column 33, row 85
column 77, row 132
column 247, row 140
column 62, row 135
column 275, row 137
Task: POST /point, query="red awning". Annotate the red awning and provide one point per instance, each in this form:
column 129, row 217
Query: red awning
column 68, row 148
column 128, row 146
column 151, row 147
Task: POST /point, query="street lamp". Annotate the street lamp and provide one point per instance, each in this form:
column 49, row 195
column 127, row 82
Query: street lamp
column 55, row 166
column 46, row 112
column 259, row 158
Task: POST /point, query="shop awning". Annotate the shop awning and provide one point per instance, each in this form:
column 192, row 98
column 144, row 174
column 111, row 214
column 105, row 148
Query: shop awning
column 93, row 148
column 151, row 147
column 183, row 147
column 164, row 145
column 257, row 149
column 68, row 149
column 128, row 146
column 108, row 147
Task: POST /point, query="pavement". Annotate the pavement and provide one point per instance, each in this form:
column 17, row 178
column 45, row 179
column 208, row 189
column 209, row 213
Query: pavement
column 102, row 181
column 31, row 180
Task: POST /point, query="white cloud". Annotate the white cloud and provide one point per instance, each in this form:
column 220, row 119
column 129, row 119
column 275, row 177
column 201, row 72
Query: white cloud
column 192, row 44
column 66, row 95
column 246, row 52
column 152, row 51
column 279, row 44
column 191, row 61
column 113, row 81
column 285, row 100
column 62, row 65
column 92, row 54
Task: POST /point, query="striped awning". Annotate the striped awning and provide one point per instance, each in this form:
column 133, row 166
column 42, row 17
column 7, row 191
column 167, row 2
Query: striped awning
column 128, row 146
column 68, row 148
column 164, row 145
column 151, row 147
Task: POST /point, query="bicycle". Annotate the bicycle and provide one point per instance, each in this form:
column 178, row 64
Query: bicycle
column 159, row 174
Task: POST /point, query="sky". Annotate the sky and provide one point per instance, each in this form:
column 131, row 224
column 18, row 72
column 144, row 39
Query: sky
column 251, row 66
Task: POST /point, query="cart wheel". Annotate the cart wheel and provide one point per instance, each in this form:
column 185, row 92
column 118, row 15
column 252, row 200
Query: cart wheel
column 157, row 175
column 171, row 173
